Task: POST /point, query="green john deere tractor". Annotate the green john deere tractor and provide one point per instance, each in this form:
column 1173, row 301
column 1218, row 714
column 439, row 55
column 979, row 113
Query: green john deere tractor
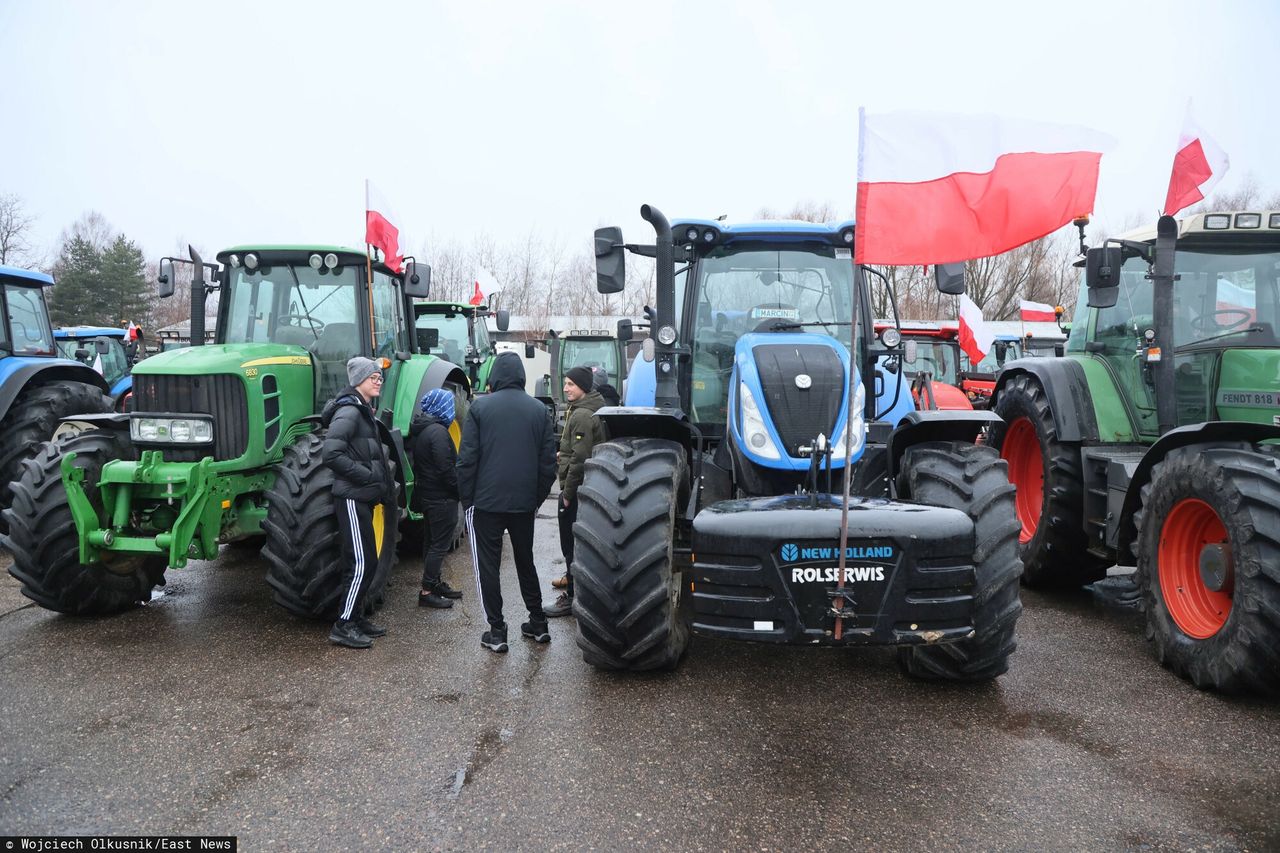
column 223, row 441
column 1154, row 441
column 458, row 334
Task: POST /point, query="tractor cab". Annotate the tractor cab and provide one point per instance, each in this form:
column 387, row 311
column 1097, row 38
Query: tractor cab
column 933, row 362
column 458, row 334
column 103, row 349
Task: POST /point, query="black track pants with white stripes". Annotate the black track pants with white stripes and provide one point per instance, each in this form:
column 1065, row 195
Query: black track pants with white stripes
column 484, row 530
column 355, row 521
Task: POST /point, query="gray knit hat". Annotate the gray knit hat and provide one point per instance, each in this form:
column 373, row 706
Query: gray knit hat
column 361, row 368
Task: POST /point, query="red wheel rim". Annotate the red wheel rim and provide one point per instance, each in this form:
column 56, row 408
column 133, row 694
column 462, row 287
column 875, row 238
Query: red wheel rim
column 1199, row 611
column 1021, row 449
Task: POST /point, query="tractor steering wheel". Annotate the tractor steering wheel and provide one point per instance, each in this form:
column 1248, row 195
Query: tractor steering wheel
column 1200, row 324
column 302, row 321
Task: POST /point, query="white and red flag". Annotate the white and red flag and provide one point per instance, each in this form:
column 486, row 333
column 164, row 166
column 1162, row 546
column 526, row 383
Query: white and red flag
column 976, row 336
column 379, row 231
column 131, row 332
column 1197, row 167
column 937, row 188
column 1036, row 312
column 485, row 285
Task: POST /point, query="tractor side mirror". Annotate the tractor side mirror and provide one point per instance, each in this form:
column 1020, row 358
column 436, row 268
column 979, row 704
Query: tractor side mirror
column 428, row 339
column 530, row 350
column 1002, row 351
column 625, row 332
column 910, row 350
column 82, row 355
column 102, row 345
column 417, row 280
column 503, row 319
column 611, row 274
column 1102, row 275
column 165, row 278
column 949, row 278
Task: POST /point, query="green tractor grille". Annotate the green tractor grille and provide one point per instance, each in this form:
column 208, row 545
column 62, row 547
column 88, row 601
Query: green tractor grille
column 220, row 395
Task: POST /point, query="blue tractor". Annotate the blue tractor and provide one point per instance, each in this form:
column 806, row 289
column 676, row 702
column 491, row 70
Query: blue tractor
column 105, row 349
column 38, row 388
column 720, row 504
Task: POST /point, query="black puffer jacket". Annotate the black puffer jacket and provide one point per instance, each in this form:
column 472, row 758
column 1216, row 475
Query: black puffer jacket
column 354, row 451
column 507, row 462
column 435, row 476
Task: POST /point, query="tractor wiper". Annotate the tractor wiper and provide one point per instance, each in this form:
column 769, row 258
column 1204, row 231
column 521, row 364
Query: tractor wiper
column 1194, row 344
column 783, row 324
column 297, row 285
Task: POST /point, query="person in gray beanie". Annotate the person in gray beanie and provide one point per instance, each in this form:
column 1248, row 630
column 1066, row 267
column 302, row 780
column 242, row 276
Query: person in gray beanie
column 362, row 479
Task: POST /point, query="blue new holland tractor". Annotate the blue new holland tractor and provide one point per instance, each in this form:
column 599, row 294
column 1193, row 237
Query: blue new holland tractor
column 720, row 505
column 38, row 389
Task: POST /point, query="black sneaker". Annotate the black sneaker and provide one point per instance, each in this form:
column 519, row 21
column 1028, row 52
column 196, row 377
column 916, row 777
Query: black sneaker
column 433, row 599
column 495, row 640
column 348, row 633
column 536, row 631
column 371, row 629
column 562, row 607
column 443, row 589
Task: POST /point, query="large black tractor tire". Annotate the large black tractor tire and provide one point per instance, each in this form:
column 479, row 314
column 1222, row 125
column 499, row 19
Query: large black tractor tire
column 1209, row 567
column 973, row 479
column 305, row 564
column 33, row 417
column 1047, row 473
column 628, row 602
column 42, row 535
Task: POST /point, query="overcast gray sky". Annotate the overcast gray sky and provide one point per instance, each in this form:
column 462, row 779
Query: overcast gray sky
column 231, row 121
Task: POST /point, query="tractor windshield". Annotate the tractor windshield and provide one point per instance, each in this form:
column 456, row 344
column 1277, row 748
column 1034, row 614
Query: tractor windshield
column 452, row 334
column 28, row 331
column 938, row 357
column 598, row 352
column 114, row 363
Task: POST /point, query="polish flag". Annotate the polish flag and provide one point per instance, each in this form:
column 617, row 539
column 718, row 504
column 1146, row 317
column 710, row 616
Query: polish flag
column 1197, row 167
column 378, row 230
column 936, row 188
column 131, row 333
column 976, row 336
column 1036, row 312
column 485, row 286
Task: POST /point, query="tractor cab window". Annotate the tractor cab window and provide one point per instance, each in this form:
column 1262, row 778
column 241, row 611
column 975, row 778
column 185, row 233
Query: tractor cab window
column 389, row 333
column 599, row 352
column 484, row 347
column 28, row 324
column 743, row 288
column 451, row 335
column 938, row 357
column 1118, row 331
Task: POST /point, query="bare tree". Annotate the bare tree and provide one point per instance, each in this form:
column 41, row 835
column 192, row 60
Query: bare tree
column 15, row 227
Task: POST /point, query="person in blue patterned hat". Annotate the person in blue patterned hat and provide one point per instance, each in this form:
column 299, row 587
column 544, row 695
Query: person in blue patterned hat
column 435, row 492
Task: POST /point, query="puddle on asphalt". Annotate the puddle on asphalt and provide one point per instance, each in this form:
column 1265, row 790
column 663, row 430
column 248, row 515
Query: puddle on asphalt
column 486, row 748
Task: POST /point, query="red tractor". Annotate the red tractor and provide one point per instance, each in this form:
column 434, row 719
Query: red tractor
column 932, row 361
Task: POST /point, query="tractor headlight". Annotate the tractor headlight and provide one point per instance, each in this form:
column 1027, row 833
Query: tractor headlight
column 171, row 430
column 754, row 431
column 666, row 335
column 315, row 261
column 856, row 427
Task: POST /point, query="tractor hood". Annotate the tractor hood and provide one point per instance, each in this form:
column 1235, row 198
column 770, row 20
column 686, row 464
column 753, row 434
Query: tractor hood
column 787, row 388
column 246, row 359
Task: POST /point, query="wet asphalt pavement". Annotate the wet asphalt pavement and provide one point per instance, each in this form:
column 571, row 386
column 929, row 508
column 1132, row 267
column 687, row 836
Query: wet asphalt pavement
column 213, row 711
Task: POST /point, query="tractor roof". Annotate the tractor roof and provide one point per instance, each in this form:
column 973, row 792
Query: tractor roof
column 290, row 251
column 1263, row 225
column 779, row 230
column 75, row 332
column 30, row 278
column 420, row 308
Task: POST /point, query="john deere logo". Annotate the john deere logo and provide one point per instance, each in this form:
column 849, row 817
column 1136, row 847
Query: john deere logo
column 790, row 552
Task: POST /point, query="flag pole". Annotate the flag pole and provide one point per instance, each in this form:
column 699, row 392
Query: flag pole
column 368, row 265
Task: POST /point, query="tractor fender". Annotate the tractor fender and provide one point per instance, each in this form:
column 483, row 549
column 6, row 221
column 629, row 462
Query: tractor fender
column 649, row 422
column 1067, row 389
column 921, row 426
column 1203, row 435
column 24, row 372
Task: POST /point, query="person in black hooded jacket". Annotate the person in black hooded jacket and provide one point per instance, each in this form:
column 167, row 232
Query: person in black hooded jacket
column 506, row 466
column 362, row 479
column 435, row 491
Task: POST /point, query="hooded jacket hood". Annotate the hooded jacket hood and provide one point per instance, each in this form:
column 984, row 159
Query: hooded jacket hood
column 348, row 396
column 507, row 372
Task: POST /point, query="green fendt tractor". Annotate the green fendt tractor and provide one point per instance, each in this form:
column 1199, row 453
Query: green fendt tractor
column 1154, row 441
column 223, row 442
column 460, row 335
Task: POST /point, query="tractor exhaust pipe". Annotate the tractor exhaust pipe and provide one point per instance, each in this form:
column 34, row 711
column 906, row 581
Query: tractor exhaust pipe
column 667, row 394
column 197, row 298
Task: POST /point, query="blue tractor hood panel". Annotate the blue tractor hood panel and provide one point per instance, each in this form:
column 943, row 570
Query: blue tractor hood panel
column 792, row 415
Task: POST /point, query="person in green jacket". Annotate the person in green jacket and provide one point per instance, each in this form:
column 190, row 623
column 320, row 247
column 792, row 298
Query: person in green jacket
column 582, row 431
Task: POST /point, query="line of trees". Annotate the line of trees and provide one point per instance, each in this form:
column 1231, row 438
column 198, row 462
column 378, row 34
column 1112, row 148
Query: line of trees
column 103, row 278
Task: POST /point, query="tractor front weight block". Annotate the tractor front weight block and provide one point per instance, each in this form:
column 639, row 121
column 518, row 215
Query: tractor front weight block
column 767, row 570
